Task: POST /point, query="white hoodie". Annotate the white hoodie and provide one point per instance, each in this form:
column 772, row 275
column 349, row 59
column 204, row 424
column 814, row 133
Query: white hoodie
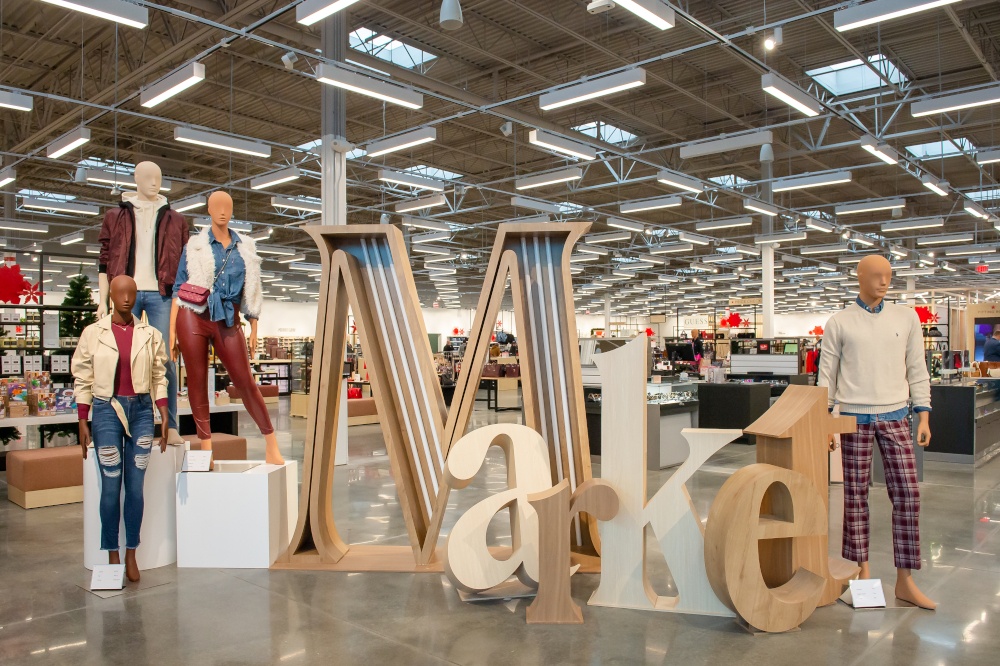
column 145, row 239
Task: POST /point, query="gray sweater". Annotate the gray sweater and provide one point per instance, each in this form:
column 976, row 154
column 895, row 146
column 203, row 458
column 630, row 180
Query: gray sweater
column 872, row 363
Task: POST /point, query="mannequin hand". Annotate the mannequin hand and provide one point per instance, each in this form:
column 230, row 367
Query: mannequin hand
column 175, row 348
column 834, row 442
column 253, row 344
column 84, row 433
column 164, row 429
column 923, row 434
column 102, row 309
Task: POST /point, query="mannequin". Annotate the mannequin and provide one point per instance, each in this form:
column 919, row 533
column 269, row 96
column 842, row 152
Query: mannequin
column 120, row 369
column 872, row 363
column 143, row 239
column 225, row 263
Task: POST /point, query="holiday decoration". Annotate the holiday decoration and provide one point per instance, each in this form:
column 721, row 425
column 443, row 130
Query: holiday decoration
column 13, row 284
column 734, row 320
column 817, row 331
column 72, row 323
column 925, row 315
column 650, row 333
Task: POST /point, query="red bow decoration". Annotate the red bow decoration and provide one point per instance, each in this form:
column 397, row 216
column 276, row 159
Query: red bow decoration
column 925, row 315
column 12, row 284
column 817, row 331
column 33, row 293
column 732, row 321
column 649, row 332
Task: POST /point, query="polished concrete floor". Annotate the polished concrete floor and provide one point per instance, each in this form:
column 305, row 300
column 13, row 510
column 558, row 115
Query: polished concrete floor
column 273, row 617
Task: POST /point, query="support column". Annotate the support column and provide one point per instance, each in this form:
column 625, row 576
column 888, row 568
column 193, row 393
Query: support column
column 607, row 315
column 333, row 111
column 767, row 251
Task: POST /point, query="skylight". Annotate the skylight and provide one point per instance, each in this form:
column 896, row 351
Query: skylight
column 109, row 165
column 938, row 149
column 854, row 76
column 388, row 49
column 730, row 180
column 606, row 132
column 51, row 196
column 432, row 172
column 984, row 195
column 313, row 148
column 569, row 208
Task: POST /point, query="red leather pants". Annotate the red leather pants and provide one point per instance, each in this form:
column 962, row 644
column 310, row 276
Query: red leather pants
column 194, row 332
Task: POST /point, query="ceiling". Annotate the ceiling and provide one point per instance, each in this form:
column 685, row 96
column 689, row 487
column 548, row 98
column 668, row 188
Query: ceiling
column 703, row 80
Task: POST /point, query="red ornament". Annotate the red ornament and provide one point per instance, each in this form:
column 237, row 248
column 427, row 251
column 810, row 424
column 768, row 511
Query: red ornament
column 12, row 283
column 454, row 331
column 925, row 315
column 649, row 333
column 33, row 294
column 732, row 321
column 817, row 331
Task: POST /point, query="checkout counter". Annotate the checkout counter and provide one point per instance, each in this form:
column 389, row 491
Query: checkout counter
column 965, row 421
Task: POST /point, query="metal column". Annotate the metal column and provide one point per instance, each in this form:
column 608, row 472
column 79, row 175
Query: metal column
column 767, row 250
column 333, row 109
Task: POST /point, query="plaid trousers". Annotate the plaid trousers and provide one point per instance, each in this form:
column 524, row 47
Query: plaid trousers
column 896, row 444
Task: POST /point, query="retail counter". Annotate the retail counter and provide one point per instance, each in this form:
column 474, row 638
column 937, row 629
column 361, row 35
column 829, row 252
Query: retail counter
column 965, row 422
column 732, row 405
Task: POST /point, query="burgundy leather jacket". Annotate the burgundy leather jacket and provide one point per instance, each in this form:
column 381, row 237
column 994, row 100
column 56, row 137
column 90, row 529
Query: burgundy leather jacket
column 118, row 244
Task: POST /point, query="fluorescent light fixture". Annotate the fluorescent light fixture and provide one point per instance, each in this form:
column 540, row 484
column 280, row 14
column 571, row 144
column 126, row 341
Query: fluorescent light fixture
column 93, row 249
column 35, row 247
column 915, row 223
column 609, row 237
column 910, row 272
column 67, row 142
column 876, row 11
column 730, row 223
column 726, row 144
column 366, row 85
column 651, row 11
column 974, row 209
column 123, row 179
column 237, row 225
column 943, row 239
column 650, row 204
column 596, row 87
column 173, row 84
column 577, row 258
column 308, row 268
column 869, row 206
column 558, row 144
column 680, row 182
column 811, row 180
column 402, row 141
column 990, row 95
column 981, row 248
column 880, row 150
column 7, row 176
column 652, row 259
column 72, row 238
column 720, row 258
column 760, row 207
column 671, row 248
column 422, row 203
column 408, row 179
column 221, row 142
column 830, row 248
column 544, row 179
column 275, row 178
column 948, row 267
column 790, row 95
column 698, row 239
column 432, row 237
column 422, row 223
column 441, row 270
column 818, row 225
column 594, row 249
column 534, row 204
column 190, row 203
column 983, row 157
column 311, row 11
column 441, row 257
column 628, row 225
column 862, row 240
column 16, row 101
column 295, row 258
column 297, row 204
column 625, row 274
column 431, row 249
column 71, row 207
column 935, row 185
column 112, row 10
column 274, row 249
column 783, row 237
column 24, row 226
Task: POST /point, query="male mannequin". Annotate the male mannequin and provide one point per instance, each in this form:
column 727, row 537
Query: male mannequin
column 143, row 238
column 872, row 363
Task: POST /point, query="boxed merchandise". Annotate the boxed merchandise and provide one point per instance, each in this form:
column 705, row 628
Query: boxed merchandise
column 42, row 403
column 16, row 397
column 59, row 364
column 11, row 364
column 65, row 400
column 38, row 380
column 33, row 363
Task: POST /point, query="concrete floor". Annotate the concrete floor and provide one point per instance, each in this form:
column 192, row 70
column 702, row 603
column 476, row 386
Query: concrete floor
column 270, row 617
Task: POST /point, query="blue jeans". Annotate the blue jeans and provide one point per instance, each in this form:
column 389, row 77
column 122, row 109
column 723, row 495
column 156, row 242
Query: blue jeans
column 157, row 310
column 122, row 457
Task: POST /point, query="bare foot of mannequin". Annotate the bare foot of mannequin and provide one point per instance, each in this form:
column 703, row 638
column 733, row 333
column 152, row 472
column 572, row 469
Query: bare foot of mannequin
column 907, row 590
column 114, row 557
column 865, row 572
column 271, row 454
column 206, row 445
column 131, row 567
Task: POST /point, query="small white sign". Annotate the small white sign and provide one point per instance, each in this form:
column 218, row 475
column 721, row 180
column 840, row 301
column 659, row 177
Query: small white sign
column 108, row 577
column 867, row 593
column 197, row 461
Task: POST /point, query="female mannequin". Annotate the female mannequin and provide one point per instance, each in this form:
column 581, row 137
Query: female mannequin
column 228, row 266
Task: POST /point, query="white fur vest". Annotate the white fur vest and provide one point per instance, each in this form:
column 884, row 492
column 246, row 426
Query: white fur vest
column 202, row 269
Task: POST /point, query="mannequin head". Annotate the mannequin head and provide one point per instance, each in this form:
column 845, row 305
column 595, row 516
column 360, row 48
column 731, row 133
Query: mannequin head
column 123, row 296
column 220, row 209
column 874, row 276
column 148, row 179
column 996, row 332
column 695, row 334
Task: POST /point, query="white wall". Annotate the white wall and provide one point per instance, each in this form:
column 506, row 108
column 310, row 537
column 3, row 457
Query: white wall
column 797, row 324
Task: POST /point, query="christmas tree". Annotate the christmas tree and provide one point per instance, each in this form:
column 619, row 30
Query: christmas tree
column 71, row 324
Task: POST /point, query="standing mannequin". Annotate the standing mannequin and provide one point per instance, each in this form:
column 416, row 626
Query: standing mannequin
column 228, row 266
column 143, row 238
column 872, row 363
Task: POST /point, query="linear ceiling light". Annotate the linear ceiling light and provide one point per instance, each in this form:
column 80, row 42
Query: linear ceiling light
column 880, row 150
column 173, row 84
column 720, row 258
column 60, row 206
column 275, row 178
column 420, row 204
column 72, row 238
column 983, row 157
column 311, row 11
column 431, row 249
column 784, row 237
column 760, row 207
column 366, row 85
column 789, row 94
column 221, row 142
column 25, row 226
column 577, row 258
column 981, row 248
column 830, row 248
column 628, row 225
column 818, row 225
column 67, row 142
column 441, row 257
column 593, row 249
column 609, row 237
column 911, row 272
column 112, row 10
column 811, row 180
column 123, row 179
column 7, row 176
column 869, row 206
column 948, row 103
column 308, row 268
column 408, row 179
column 688, row 237
column 669, row 248
column 935, row 185
column 680, row 182
column 544, row 179
column 650, row 204
column 190, row 203
column 597, row 87
column 295, row 258
column 432, row 237
column 915, row 223
column 421, row 223
column 558, row 144
column 652, row 259
column 730, row 223
column 402, row 141
column 862, row 240
column 206, row 222
column 726, row 144
column 944, row 239
column 296, row 204
column 16, row 101
column 881, row 10
column 534, row 204
column 974, row 209
column 652, row 11
column 274, row 249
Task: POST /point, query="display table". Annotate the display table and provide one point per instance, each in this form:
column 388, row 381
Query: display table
column 502, row 393
column 158, row 536
column 732, row 405
column 236, row 517
column 965, row 422
column 665, row 447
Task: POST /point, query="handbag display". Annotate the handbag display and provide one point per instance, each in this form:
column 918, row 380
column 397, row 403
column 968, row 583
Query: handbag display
column 491, row 370
column 196, row 297
column 353, row 392
column 511, row 370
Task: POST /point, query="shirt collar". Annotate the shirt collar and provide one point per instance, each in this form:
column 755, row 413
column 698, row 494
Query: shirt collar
column 234, row 237
column 864, row 306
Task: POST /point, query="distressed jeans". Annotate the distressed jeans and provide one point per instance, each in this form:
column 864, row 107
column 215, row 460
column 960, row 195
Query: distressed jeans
column 157, row 309
column 122, row 458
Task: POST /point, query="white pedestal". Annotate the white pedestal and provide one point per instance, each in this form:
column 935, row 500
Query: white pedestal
column 158, row 536
column 236, row 520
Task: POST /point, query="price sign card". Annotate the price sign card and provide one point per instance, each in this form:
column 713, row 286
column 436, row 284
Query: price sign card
column 867, row 593
column 197, row 461
column 108, row 577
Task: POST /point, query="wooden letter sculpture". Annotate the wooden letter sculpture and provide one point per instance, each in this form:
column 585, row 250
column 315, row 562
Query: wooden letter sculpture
column 554, row 604
column 670, row 513
column 468, row 562
column 733, row 559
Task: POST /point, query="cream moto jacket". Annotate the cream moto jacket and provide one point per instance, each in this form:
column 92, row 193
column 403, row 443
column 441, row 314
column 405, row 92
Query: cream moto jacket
column 95, row 362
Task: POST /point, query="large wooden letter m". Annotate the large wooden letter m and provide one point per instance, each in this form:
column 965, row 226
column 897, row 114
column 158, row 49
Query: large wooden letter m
column 367, row 268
